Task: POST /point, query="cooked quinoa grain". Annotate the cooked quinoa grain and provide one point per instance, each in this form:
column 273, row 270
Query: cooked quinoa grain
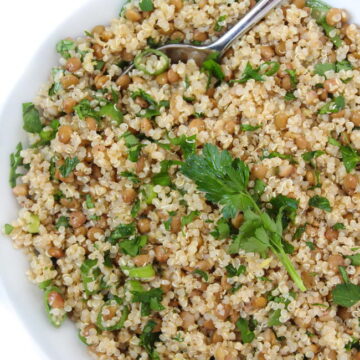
column 150, row 257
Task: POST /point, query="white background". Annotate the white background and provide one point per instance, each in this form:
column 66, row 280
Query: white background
column 24, row 25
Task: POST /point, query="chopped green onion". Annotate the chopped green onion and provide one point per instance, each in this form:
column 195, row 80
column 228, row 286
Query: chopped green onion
column 144, row 272
column 138, row 62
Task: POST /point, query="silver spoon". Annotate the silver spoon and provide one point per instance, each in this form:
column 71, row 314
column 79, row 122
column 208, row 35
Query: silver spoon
column 185, row 52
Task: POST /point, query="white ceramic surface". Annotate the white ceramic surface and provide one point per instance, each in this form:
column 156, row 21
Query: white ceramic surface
column 57, row 344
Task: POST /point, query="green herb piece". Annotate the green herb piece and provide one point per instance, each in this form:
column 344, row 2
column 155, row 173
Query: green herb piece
column 135, row 208
column 235, row 288
column 289, row 96
column 308, row 156
column 344, row 275
column 89, row 202
column 91, row 276
column 350, row 157
column 288, row 206
column 232, row 271
column 221, row 230
column 202, row 274
column 99, row 64
column 56, row 86
column 8, row 229
column 270, row 68
column 55, row 319
column 163, row 178
column 148, row 338
column 120, row 320
column 33, row 224
column 322, row 69
column 293, row 78
column 69, row 166
column 334, row 106
column 45, row 284
column 154, row 107
column 339, row 226
column 148, row 193
column 31, row 118
column 163, row 61
column 199, row 115
column 107, row 259
column 150, row 300
column 220, row 23
column 343, row 65
column 83, row 110
column 112, row 111
column 246, row 330
column 274, row 319
column 299, row 232
column 187, row 144
column 122, row 231
column 248, row 74
column 134, row 146
column 275, row 154
column 310, row 245
column 355, row 259
column 63, row 47
column 15, row 161
column 62, row 221
column 320, row 203
column 131, row 176
column 146, row 5
column 258, row 189
column 346, row 295
column 144, row 272
column 319, row 11
column 187, row 219
column 132, row 246
column 353, row 344
column 212, row 68
column 225, row 182
column 247, row 127
column 178, row 338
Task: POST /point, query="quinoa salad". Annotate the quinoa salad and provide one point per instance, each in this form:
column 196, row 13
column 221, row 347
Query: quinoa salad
column 198, row 211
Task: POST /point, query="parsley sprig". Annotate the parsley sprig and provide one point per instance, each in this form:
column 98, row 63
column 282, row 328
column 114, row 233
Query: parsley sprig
column 225, row 182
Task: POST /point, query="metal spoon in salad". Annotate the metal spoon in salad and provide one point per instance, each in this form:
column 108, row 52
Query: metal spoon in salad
column 185, row 52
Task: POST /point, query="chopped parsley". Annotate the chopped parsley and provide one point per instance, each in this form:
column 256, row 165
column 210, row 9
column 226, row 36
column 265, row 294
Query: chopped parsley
column 274, row 319
column 212, row 68
column 334, row 106
column 350, row 157
column 221, row 230
column 62, row 221
column 15, row 161
column 69, row 166
column 355, row 259
column 63, row 47
column 339, row 226
column 220, row 23
column 131, row 176
column 269, row 68
column 89, row 202
column 299, row 232
column 154, row 107
column 320, row 202
column 202, row 274
column 163, row 178
column 8, row 229
column 275, row 154
column 31, row 118
column 346, row 294
column 133, row 144
column 310, row 245
column 246, row 329
column 150, row 300
column 232, row 271
column 148, row 338
column 132, row 246
column 146, row 5
column 83, row 110
column 187, row 219
column 322, row 69
column 248, row 127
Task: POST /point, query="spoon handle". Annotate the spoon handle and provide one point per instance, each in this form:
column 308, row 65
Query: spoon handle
column 257, row 13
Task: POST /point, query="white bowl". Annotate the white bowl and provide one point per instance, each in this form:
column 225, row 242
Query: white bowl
column 63, row 343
